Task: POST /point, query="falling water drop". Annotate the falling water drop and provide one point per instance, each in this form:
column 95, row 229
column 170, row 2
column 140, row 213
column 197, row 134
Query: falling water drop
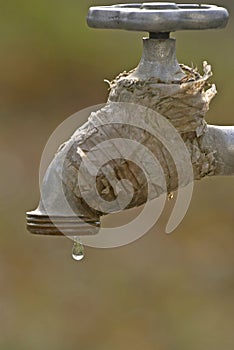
column 77, row 250
column 170, row 196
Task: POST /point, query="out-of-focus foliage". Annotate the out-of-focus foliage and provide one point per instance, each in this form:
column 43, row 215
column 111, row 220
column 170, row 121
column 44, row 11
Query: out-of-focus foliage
column 161, row 292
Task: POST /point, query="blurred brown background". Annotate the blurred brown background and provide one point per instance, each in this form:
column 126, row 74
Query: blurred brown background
column 164, row 293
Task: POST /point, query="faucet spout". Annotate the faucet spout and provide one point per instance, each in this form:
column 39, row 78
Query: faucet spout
column 59, row 211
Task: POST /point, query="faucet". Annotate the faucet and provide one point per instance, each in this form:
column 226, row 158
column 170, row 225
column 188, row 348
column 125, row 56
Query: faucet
column 71, row 203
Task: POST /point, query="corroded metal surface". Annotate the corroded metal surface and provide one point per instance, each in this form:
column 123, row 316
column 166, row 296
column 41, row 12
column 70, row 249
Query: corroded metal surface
column 220, row 140
column 158, row 17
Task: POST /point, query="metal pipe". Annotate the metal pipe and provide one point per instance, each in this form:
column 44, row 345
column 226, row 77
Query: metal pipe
column 220, row 140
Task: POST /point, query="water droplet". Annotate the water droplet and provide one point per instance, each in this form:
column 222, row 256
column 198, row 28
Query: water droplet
column 77, row 250
column 170, row 196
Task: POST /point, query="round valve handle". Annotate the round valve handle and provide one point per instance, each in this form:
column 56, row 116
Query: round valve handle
column 158, row 17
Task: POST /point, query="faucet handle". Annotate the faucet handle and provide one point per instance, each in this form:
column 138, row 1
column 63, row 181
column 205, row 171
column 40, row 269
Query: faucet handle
column 158, row 17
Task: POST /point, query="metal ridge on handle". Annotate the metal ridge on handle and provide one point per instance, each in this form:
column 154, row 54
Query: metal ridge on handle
column 158, row 17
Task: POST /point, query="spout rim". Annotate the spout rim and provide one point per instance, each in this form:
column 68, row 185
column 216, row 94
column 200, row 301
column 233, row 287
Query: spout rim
column 42, row 224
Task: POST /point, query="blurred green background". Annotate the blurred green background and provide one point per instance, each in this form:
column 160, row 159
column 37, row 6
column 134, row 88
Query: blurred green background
column 161, row 292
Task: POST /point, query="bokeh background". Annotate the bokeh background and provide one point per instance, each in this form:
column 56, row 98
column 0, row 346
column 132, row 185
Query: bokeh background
column 161, row 292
